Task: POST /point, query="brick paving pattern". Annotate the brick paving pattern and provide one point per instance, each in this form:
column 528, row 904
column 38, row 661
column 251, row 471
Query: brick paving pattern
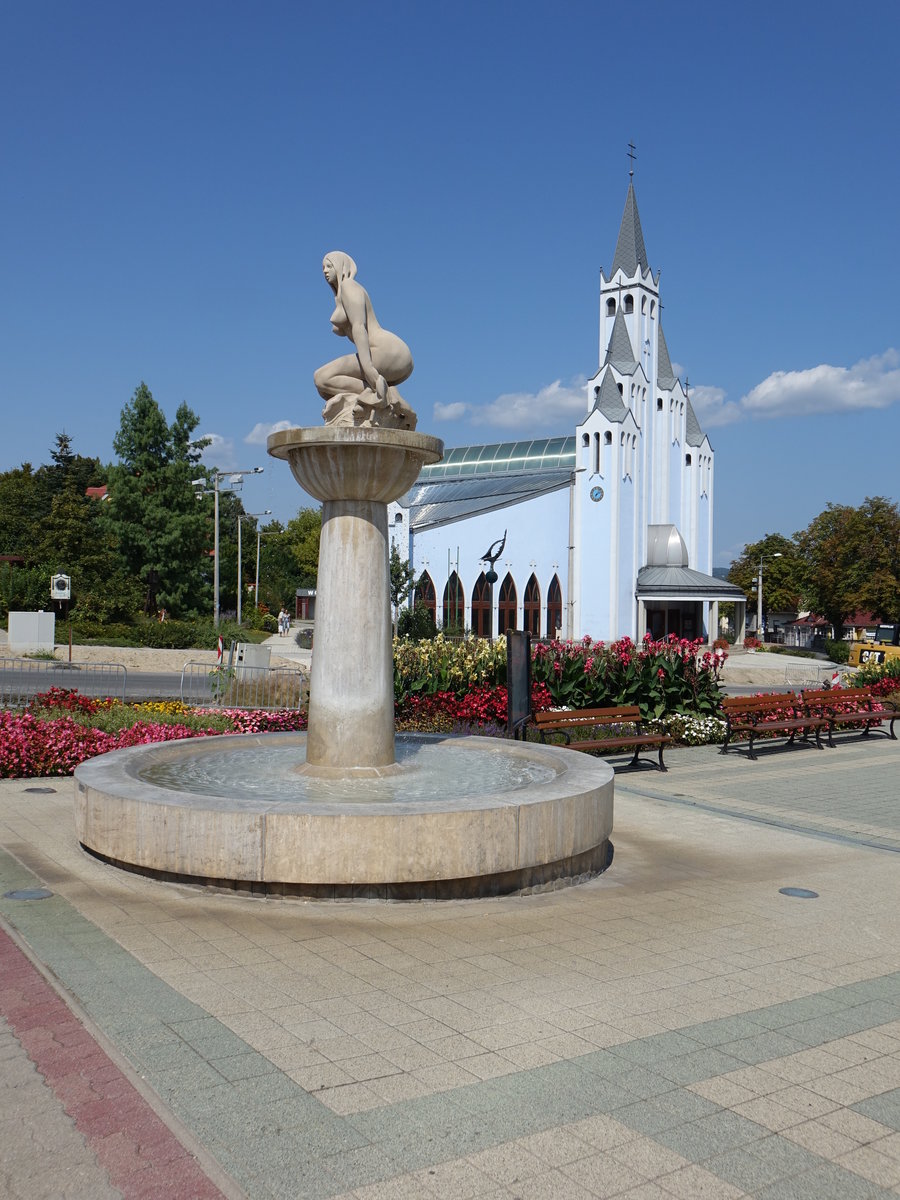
column 676, row 1028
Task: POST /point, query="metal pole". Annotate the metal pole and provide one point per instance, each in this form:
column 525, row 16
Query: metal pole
column 239, row 588
column 216, row 552
column 759, row 603
column 256, row 586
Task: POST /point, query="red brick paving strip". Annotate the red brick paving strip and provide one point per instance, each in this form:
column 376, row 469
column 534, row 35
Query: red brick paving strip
column 141, row 1155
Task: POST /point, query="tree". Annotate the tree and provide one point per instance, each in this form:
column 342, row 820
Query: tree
column 782, row 577
column 403, row 577
column 161, row 530
column 304, row 533
column 851, row 561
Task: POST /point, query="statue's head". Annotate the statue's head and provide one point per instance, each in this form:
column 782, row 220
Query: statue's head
column 336, row 267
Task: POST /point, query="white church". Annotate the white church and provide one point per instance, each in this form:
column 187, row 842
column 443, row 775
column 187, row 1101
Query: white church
column 608, row 531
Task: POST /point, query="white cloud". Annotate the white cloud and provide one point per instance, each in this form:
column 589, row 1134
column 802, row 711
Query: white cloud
column 219, row 453
column 712, row 408
column 260, row 432
column 870, row 383
column 554, row 405
column 451, row 412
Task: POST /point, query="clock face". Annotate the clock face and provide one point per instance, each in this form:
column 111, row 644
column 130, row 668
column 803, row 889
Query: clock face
column 596, row 493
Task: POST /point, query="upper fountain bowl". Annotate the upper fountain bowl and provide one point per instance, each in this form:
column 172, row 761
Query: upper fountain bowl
column 352, row 463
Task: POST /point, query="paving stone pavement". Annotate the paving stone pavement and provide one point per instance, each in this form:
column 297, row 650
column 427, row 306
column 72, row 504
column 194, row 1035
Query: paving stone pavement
column 677, row 1027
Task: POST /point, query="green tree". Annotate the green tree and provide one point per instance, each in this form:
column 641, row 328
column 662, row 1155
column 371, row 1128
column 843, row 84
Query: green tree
column 161, row 531
column 304, row 533
column 403, row 578
column 851, row 560
column 782, row 576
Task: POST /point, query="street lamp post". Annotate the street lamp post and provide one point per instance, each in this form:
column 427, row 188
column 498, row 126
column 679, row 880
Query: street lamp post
column 759, row 596
column 237, row 478
column 247, row 517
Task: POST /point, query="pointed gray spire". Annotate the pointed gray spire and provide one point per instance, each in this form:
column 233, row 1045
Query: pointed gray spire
column 630, row 251
column 693, row 434
column 665, row 376
column 610, row 401
column 620, row 352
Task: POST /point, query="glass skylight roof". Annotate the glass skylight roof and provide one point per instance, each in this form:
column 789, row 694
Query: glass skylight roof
column 537, row 454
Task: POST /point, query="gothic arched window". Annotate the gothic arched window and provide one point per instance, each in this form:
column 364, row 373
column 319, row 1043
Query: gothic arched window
column 532, row 607
column 425, row 595
column 629, row 303
column 554, row 607
column 454, row 604
column 481, row 607
column 506, row 608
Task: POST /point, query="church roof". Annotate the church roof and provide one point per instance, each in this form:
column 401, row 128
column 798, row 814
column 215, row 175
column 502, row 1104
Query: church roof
column 437, row 502
column 693, row 434
column 535, row 454
column 610, row 401
column 664, row 373
column 620, row 352
column 630, row 251
column 684, row 583
column 476, row 479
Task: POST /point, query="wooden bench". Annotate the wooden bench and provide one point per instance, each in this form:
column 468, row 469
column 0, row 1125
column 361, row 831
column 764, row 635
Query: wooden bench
column 752, row 717
column 850, row 707
column 586, row 720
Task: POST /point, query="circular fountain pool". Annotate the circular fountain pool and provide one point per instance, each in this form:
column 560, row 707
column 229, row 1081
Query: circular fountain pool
column 457, row 817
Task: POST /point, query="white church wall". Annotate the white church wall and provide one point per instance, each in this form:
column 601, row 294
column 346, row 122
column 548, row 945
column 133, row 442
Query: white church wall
column 533, row 545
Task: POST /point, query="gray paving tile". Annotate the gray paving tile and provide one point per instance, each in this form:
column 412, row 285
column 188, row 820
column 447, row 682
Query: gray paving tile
column 702, row 1064
column 884, row 1108
column 701, row 1139
column 825, row 1182
column 761, row 1047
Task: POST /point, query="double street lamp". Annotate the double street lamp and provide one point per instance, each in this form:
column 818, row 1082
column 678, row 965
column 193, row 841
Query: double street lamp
column 235, row 478
column 240, row 588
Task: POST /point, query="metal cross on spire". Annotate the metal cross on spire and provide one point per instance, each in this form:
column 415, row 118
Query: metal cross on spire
column 632, row 156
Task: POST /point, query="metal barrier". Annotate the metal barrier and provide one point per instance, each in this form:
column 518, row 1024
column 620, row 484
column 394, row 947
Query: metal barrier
column 203, row 686
column 803, row 676
column 22, row 678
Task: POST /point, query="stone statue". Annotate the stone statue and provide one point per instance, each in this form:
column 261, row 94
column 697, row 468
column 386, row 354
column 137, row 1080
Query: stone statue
column 360, row 389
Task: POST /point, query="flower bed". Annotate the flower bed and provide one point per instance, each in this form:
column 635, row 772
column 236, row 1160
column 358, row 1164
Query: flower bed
column 62, row 728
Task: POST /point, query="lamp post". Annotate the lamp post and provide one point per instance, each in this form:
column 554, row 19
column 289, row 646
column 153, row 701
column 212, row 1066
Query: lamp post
column 493, row 553
column 247, row 517
column 236, row 478
column 760, row 632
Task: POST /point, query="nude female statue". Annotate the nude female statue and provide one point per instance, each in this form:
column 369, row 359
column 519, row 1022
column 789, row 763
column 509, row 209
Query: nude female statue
column 359, row 389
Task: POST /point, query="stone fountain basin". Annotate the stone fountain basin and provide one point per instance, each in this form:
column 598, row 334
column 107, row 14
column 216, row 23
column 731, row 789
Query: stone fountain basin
column 543, row 834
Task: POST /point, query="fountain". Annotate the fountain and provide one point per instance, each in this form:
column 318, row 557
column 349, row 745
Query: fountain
column 349, row 808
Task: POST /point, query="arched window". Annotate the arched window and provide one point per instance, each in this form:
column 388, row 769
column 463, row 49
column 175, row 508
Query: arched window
column 643, row 304
column 425, row 596
column 506, row 609
column 481, row 608
column 610, row 307
column 687, row 460
column 652, row 308
column 597, row 464
column 532, row 607
column 621, row 389
column 554, row 607
column 454, row 605
column 659, row 404
column 629, row 303
column 398, row 518
column 607, row 437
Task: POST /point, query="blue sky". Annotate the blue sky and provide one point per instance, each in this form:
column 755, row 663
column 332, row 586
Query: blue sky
column 174, row 173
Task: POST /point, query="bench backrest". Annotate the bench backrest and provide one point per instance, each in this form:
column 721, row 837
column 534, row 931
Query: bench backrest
column 623, row 714
column 833, row 696
column 732, row 705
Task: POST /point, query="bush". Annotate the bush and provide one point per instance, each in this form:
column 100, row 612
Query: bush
column 837, row 651
column 416, row 623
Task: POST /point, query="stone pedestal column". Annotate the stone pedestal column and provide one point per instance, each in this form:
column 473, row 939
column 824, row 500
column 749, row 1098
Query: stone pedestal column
column 355, row 473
